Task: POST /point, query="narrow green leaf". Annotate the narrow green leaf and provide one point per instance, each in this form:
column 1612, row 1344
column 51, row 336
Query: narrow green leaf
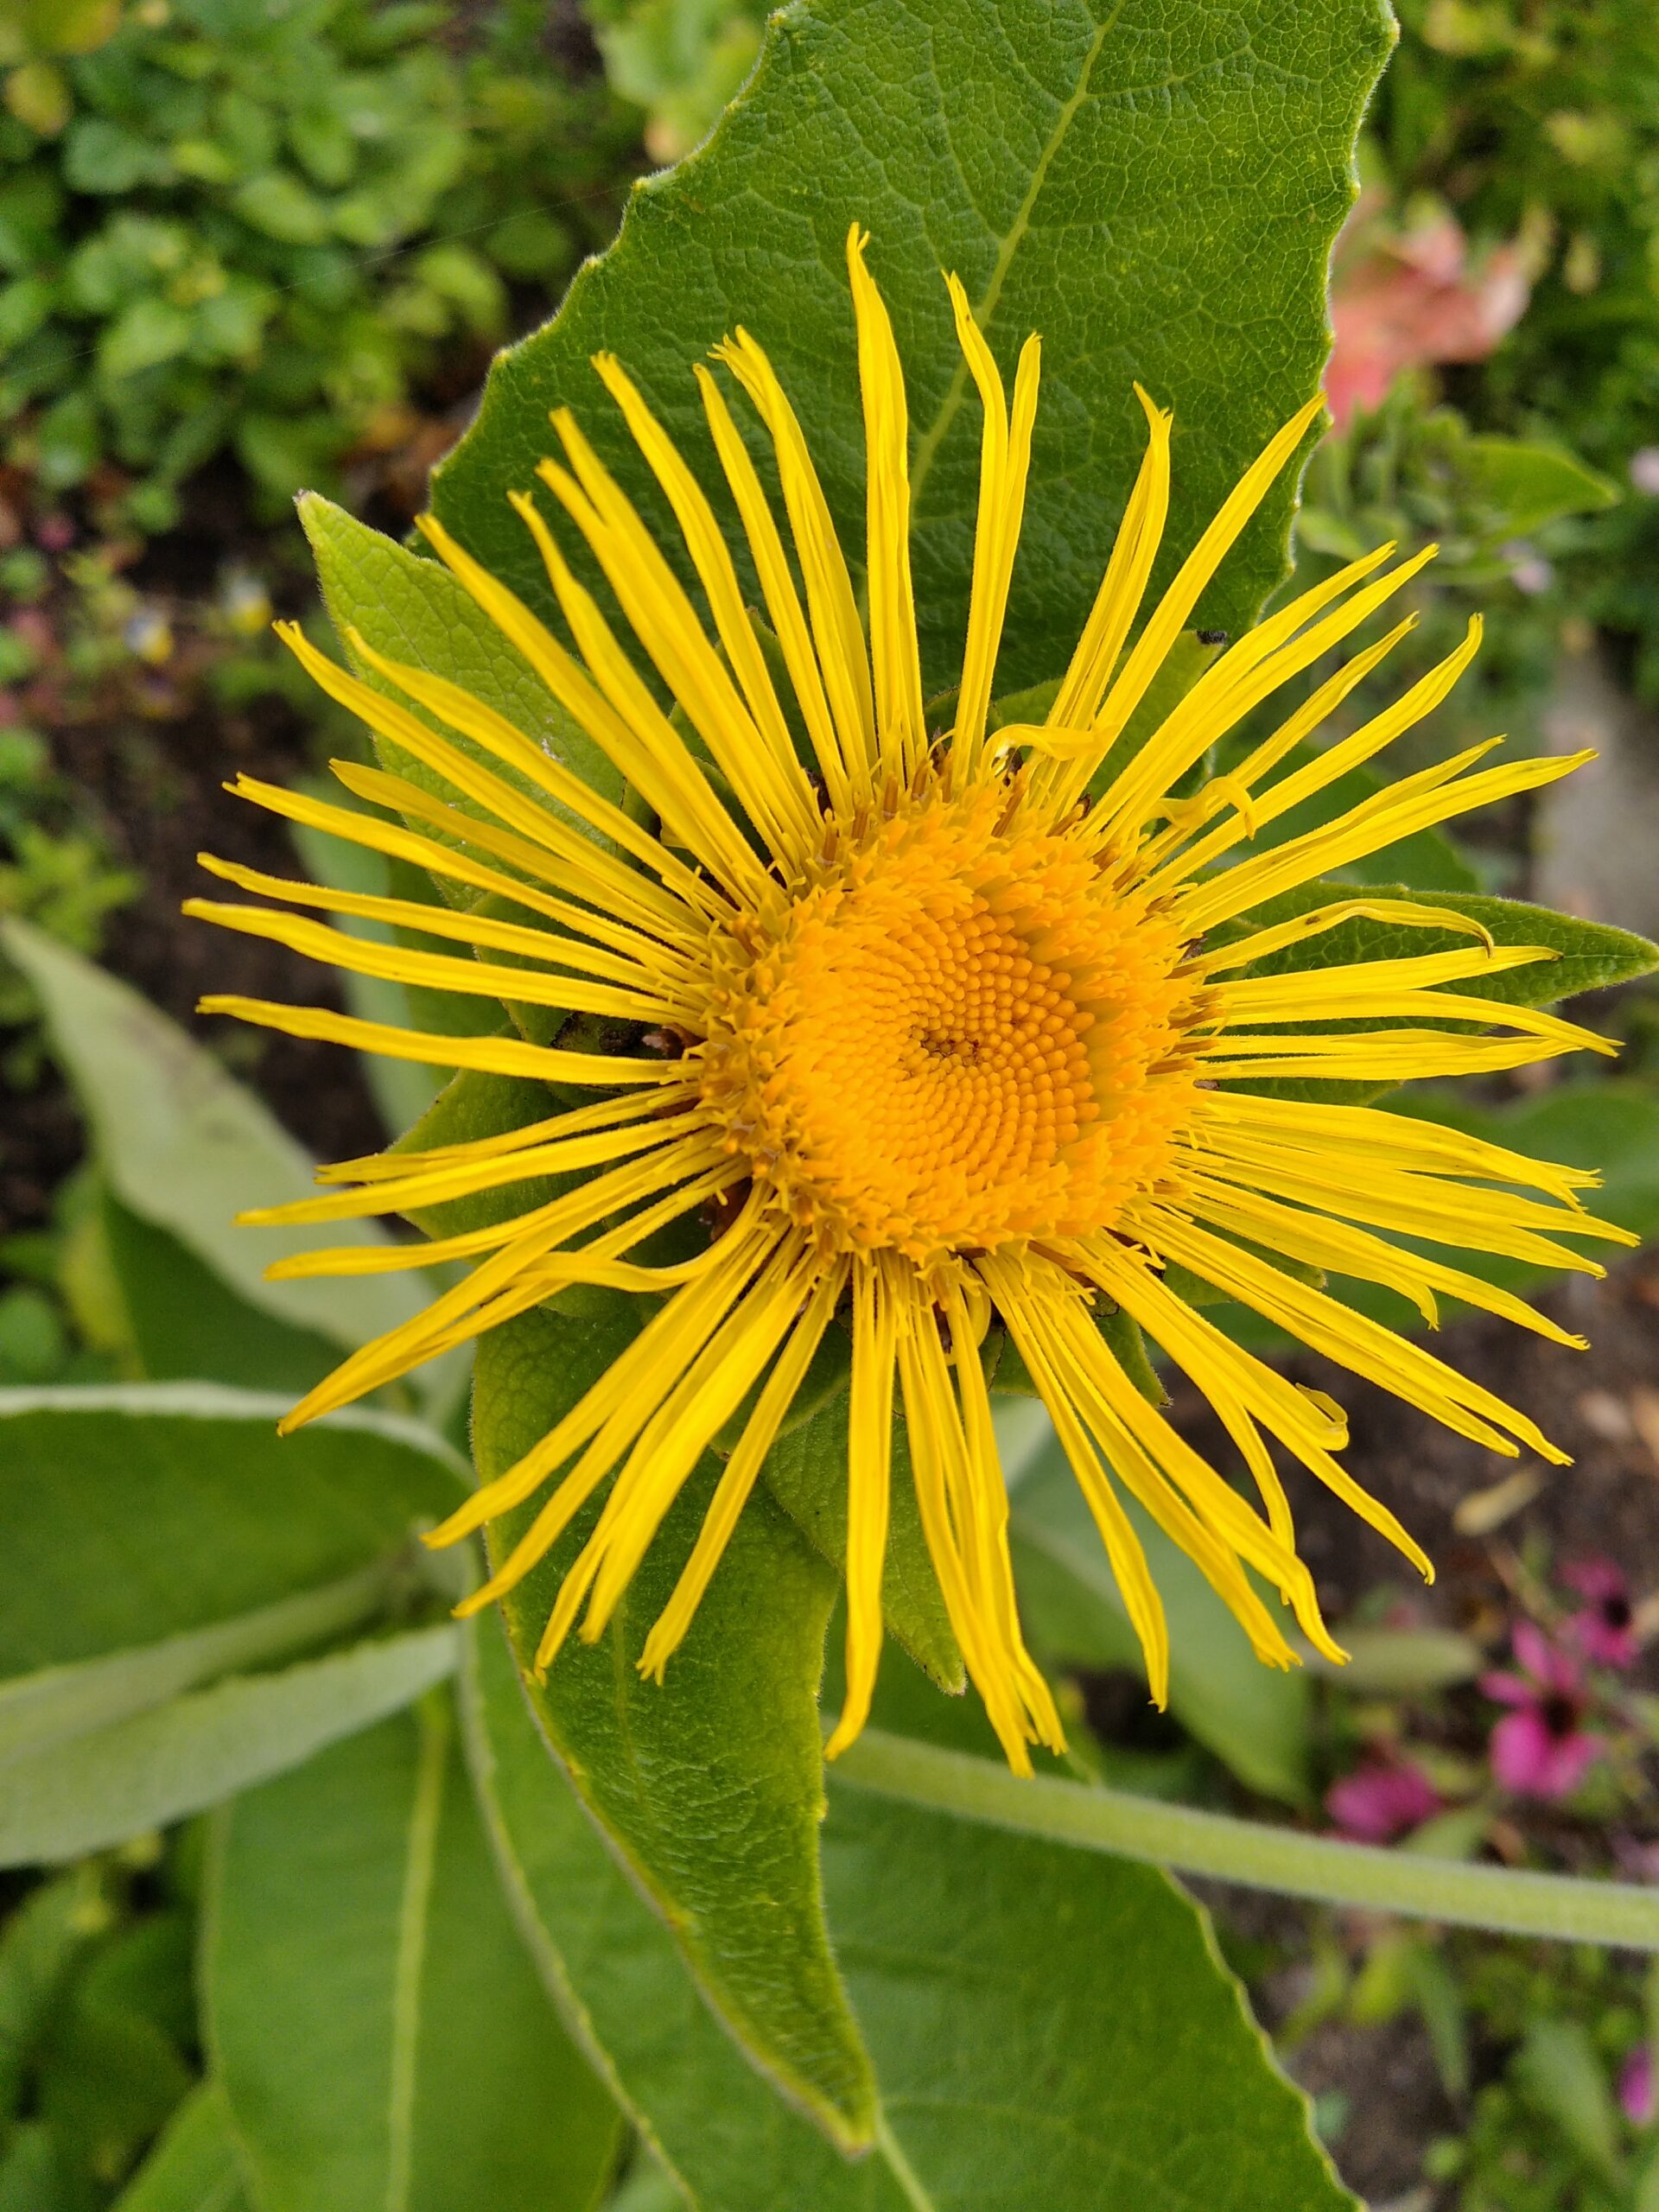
column 1562, row 2074
column 1253, row 1853
column 709, row 1786
column 1175, row 176
column 100, row 1787
column 1254, row 1718
column 195, row 2167
column 55, row 1703
column 622, row 1980
column 186, row 1146
column 140, row 1515
column 1055, row 2032
column 378, row 2027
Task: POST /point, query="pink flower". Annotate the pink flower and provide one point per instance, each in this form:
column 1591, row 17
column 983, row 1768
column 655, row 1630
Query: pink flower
column 1603, row 1632
column 1413, row 299
column 1539, row 1750
column 1639, row 2095
column 1381, row 1799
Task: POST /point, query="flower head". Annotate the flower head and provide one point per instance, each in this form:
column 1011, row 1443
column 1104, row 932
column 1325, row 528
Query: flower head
column 1604, row 1629
column 1540, row 1748
column 1381, row 1799
column 966, row 1025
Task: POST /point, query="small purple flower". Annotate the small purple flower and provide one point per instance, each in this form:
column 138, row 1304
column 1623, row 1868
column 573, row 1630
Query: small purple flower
column 1638, row 2094
column 1381, row 1799
column 1603, row 1631
column 1539, row 1750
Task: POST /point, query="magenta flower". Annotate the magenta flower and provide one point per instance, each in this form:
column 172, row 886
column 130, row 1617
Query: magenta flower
column 1639, row 2095
column 1381, row 1799
column 1539, row 1750
column 1603, row 1631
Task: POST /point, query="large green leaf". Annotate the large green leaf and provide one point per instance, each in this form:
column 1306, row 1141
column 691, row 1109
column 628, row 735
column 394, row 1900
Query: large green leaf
column 1254, row 1717
column 1055, row 2029
column 734, row 2145
column 709, row 1786
column 140, row 1517
column 195, row 2166
column 378, row 2028
column 186, row 1146
column 1155, row 189
column 1050, row 2030
column 102, row 1786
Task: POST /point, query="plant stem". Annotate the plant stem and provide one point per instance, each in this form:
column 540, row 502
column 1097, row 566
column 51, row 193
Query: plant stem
column 1252, row 1853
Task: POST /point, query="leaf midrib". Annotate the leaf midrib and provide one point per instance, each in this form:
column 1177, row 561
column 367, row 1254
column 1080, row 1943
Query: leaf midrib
column 928, row 444
column 414, row 1918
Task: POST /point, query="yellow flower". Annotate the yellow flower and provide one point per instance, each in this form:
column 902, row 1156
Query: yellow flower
column 923, row 1025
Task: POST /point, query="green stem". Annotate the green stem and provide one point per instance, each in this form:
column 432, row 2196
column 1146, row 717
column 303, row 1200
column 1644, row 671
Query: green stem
column 1252, row 1853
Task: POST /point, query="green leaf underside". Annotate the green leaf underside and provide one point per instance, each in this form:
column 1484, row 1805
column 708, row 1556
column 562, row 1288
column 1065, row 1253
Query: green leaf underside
column 196, row 2167
column 143, row 1773
column 378, row 2027
column 1142, row 183
column 137, row 1515
column 622, row 1980
column 1053, row 2031
column 1254, row 1718
column 708, row 1786
column 186, row 1146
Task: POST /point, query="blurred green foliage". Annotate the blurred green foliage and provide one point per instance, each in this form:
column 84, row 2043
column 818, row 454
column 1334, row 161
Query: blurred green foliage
column 223, row 223
column 1541, row 117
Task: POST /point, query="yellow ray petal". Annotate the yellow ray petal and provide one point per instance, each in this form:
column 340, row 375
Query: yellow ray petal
column 765, row 775
column 1415, row 802
column 547, row 947
column 437, row 971
column 472, row 718
column 664, row 945
column 788, row 621
column 490, row 1055
column 637, row 735
column 1169, row 618
column 1392, row 1362
column 1408, row 913
column 1118, row 600
column 732, row 1492
column 869, row 1456
column 838, row 635
column 718, row 575
column 1263, row 660
column 900, row 732
column 1004, row 462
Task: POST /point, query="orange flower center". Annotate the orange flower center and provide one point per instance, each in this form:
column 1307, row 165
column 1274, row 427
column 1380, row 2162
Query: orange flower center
column 960, row 1030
